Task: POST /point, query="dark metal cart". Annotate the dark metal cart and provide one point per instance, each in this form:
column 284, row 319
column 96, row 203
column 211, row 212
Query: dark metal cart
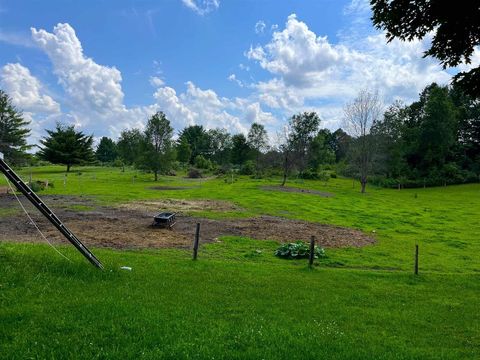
column 165, row 220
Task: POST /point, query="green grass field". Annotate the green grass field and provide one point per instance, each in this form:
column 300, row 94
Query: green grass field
column 238, row 300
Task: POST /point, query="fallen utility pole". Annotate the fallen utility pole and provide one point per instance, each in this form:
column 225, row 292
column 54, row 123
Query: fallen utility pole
column 43, row 208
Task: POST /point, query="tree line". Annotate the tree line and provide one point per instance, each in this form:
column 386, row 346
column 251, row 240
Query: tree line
column 433, row 141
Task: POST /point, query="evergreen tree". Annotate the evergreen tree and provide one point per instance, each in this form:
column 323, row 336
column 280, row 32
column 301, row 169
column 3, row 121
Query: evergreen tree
column 13, row 131
column 106, row 150
column 66, row 146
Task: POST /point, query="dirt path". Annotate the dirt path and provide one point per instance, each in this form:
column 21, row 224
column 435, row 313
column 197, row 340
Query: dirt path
column 131, row 227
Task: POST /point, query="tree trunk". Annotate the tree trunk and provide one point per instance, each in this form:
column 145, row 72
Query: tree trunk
column 284, row 179
column 156, row 175
column 364, row 185
column 68, row 167
column 285, row 170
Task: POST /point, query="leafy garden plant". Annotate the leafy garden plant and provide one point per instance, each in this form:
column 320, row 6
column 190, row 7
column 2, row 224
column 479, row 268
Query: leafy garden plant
column 298, row 250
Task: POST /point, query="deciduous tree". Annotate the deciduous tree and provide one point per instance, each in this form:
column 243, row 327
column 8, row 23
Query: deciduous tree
column 258, row 141
column 360, row 115
column 158, row 154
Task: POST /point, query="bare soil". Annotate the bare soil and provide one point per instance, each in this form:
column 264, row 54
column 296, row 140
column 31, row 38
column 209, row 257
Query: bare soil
column 297, row 190
column 130, row 228
column 180, row 205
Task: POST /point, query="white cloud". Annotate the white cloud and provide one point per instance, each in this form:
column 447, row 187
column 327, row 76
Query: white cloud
column 296, row 53
column 205, row 107
column 94, row 92
column 28, row 95
column 156, row 81
column 233, row 77
column 260, row 27
column 254, row 113
column 202, row 7
column 25, row 90
column 309, row 70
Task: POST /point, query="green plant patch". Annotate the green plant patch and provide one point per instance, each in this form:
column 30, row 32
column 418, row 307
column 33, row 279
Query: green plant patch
column 299, row 250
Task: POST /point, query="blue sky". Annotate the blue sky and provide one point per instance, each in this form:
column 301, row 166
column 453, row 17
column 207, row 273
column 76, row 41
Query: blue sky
column 108, row 65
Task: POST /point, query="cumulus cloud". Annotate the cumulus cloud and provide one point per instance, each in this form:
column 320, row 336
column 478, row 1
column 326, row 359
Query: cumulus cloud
column 91, row 86
column 25, row 90
column 29, row 96
column 94, row 92
column 202, row 7
column 309, row 70
column 296, row 53
column 205, row 107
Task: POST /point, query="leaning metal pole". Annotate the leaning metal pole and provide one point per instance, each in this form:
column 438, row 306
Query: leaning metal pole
column 43, row 208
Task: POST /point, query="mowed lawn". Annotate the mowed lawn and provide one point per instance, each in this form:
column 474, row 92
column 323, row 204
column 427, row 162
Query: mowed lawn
column 238, row 300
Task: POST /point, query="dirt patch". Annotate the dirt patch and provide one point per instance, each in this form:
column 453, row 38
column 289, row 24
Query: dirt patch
column 4, row 189
column 167, row 188
column 296, row 190
column 131, row 228
column 177, row 205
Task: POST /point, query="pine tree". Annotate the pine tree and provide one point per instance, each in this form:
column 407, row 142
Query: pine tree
column 66, row 146
column 13, row 131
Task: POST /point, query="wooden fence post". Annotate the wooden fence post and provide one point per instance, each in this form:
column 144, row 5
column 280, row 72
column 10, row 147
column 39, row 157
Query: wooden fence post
column 195, row 244
column 312, row 251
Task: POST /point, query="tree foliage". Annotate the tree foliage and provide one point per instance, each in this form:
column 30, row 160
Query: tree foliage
column 13, row 131
column 258, row 141
column 129, row 146
column 456, row 29
column 198, row 140
column 67, row 146
column 157, row 154
column 106, row 151
column 433, row 141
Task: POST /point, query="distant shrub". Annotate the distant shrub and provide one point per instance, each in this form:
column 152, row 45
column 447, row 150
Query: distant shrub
column 202, row 163
column 194, row 173
column 309, row 174
column 333, row 175
column 248, row 168
column 39, row 185
column 224, row 169
column 118, row 163
column 298, row 250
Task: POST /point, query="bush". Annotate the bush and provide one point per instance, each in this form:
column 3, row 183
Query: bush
column 39, row 185
column 194, row 173
column 309, row 174
column 248, row 168
column 118, row 163
column 298, row 250
column 202, row 163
